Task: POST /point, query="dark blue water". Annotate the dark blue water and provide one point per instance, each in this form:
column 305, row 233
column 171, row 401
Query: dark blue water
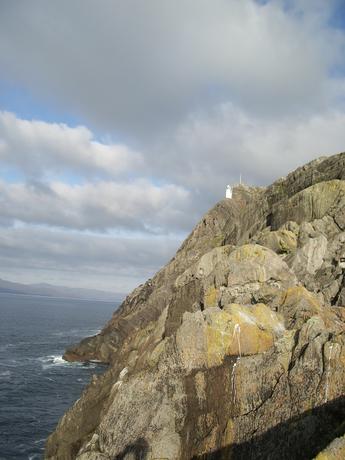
column 36, row 385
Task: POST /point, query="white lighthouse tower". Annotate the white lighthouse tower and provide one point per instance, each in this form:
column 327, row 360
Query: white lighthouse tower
column 228, row 193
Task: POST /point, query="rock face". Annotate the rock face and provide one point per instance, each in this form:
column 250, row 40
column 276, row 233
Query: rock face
column 236, row 348
column 335, row 451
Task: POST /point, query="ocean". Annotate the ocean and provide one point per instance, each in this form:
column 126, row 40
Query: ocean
column 36, row 384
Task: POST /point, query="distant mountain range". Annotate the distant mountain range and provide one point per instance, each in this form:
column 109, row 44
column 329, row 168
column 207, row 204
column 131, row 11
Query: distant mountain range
column 49, row 290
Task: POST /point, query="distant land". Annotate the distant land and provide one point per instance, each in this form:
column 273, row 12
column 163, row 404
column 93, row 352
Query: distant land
column 49, row 290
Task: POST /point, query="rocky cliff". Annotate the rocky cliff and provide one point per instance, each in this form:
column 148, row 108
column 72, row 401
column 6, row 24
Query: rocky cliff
column 236, row 348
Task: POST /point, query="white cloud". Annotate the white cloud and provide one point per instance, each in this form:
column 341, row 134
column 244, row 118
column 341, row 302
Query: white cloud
column 198, row 91
column 182, row 175
column 38, row 148
column 211, row 149
column 138, row 68
column 100, row 206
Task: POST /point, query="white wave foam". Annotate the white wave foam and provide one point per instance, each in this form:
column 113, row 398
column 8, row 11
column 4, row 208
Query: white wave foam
column 52, row 360
column 77, row 333
column 40, row 441
column 57, row 360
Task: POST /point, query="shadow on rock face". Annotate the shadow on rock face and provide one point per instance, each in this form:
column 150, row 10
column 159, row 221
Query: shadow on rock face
column 139, row 450
column 300, row 438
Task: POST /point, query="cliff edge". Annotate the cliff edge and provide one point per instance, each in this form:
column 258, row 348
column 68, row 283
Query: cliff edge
column 236, row 348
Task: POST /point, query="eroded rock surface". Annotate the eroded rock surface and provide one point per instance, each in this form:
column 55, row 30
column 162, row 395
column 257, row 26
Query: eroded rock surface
column 236, row 348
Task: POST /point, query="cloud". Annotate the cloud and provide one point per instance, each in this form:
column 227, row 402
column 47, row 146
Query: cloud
column 49, row 158
column 101, row 206
column 198, row 92
column 73, row 259
column 38, row 148
column 139, row 68
column 207, row 151
column 211, row 149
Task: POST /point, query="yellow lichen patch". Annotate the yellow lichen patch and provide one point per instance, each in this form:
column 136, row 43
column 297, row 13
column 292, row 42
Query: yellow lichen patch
column 154, row 356
column 266, row 318
column 217, row 240
column 261, row 275
column 297, row 294
column 323, row 456
column 250, row 251
column 249, row 339
column 219, row 332
column 280, row 241
column 297, row 305
column 210, row 298
column 229, row 433
column 258, row 315
column 335, row 451
column 287, row 241
column 206, row 338
column 240, row 330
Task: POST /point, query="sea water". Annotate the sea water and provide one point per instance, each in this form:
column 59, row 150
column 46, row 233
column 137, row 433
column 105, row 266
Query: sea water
column 36, row 384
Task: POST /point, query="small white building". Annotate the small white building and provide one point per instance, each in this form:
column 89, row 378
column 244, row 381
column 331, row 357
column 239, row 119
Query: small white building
column 228, row 193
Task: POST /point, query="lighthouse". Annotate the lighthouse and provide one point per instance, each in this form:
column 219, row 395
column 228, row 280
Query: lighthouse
column 228, row 193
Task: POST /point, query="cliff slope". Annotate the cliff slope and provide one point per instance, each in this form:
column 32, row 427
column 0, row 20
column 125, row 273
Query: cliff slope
column 236, row 348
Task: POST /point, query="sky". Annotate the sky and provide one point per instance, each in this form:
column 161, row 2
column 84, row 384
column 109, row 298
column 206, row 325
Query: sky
column 121, row 123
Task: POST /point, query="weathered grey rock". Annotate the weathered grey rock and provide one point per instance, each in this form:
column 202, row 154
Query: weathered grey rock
column 281, row 241
column 310, row 257
column 309, row 204
column 235, row 349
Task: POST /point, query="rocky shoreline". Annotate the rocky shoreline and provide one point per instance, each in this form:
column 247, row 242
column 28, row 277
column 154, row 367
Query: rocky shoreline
column 236, row 348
